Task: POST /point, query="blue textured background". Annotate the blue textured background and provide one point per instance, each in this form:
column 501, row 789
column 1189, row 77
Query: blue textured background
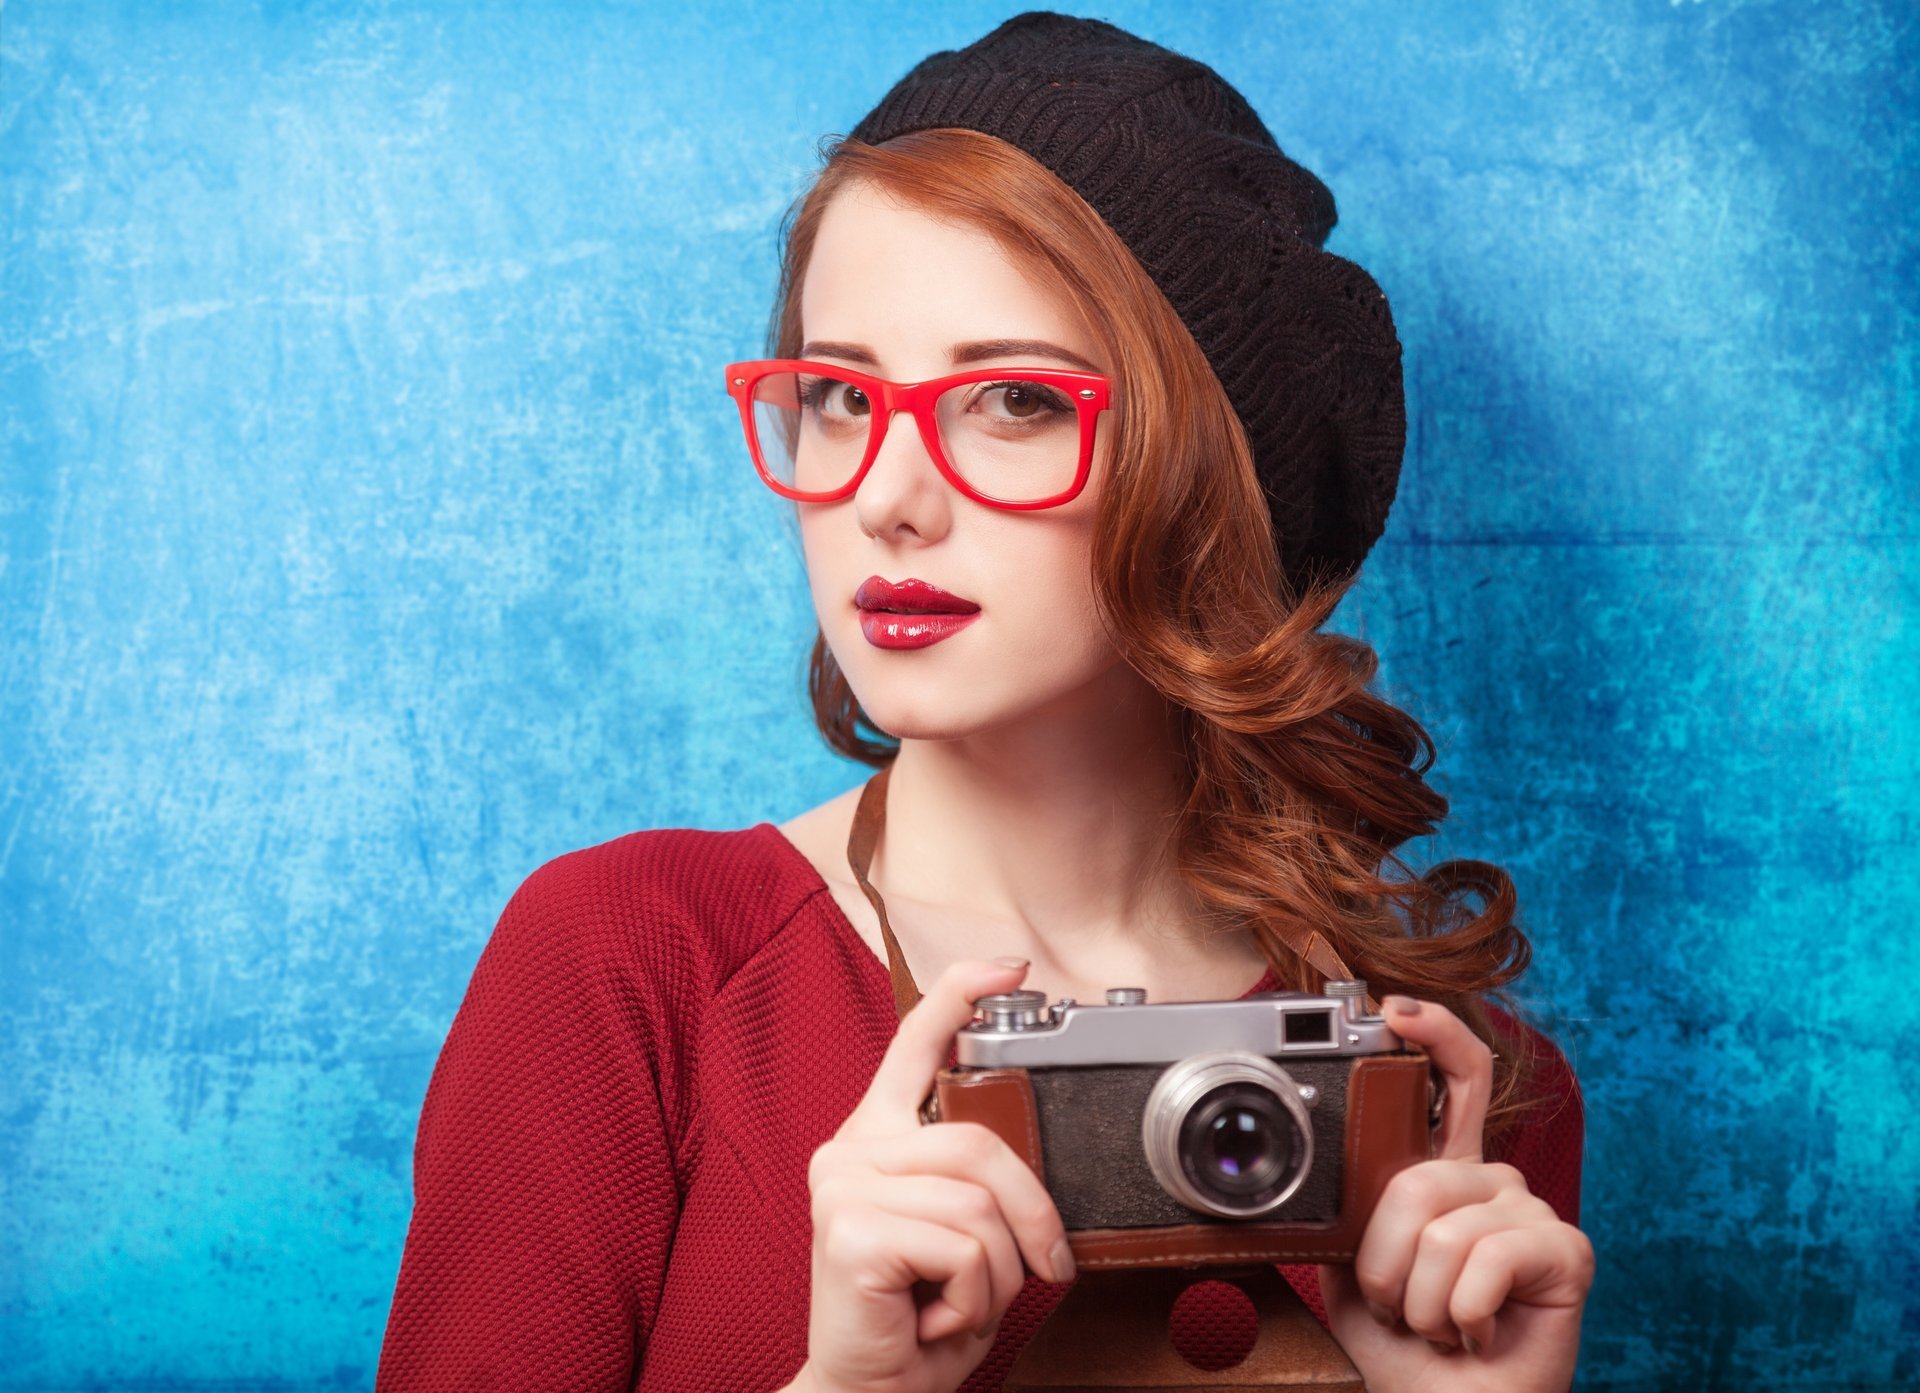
column 373, row 528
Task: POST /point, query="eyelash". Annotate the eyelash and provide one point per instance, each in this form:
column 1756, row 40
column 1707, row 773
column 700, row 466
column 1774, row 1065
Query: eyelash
column 812, row 393
column 1050, row 399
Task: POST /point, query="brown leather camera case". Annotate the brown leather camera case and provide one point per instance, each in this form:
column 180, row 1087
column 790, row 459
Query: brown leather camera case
column 1386, row 1132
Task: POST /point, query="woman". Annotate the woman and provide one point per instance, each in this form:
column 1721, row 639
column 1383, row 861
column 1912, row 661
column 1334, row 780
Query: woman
column 672, row 1140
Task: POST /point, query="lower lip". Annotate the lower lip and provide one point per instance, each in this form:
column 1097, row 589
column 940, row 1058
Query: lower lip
column 884, row 630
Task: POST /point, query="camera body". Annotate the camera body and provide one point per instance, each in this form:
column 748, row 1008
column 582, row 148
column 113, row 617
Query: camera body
column 1192, row 1133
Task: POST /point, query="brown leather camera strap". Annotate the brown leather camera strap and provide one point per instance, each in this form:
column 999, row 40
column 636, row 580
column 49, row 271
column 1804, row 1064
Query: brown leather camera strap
column 870, row 814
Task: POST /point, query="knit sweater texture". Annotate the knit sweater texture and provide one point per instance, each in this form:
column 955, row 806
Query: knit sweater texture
column 610, row 1171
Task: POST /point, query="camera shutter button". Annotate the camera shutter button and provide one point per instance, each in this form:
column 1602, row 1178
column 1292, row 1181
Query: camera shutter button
column 1126, row 996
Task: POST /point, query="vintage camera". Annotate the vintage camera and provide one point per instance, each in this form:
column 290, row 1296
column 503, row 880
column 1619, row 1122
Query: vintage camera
column 1198, row 1132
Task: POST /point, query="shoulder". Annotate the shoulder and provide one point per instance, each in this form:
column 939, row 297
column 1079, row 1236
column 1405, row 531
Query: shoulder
column 1552, row 1082
column 679, row 906
column 819, row 834
column 1546, row 1134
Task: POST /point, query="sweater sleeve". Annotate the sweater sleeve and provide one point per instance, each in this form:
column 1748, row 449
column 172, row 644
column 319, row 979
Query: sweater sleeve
column 1547, row 1138
column 545, row 1192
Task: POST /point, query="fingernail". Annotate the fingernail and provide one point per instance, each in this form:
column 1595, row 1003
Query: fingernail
column 1401, row 1005
column 1439, row 1348
column 1469, row 1344
column 1011, row 962
column 1380, row 1313
column 1061, row 1261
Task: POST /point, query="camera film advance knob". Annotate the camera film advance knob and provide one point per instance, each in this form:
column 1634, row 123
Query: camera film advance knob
column 1351, row 993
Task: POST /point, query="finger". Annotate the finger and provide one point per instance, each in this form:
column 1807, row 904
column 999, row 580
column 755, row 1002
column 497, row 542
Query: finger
column 1442, row 1252
column 970, row 1151
column 963, row 1206
column 938, row 1321
column 1463, row 1059
column 1549, row 1265
column 1413, row 1199
column 919, row 1047
column 884, row 1254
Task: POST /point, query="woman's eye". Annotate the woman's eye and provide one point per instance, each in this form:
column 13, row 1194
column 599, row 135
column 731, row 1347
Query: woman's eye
column 1025, row 400
column 835, row 398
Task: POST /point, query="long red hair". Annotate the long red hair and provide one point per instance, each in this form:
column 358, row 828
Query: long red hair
column 1303, row 783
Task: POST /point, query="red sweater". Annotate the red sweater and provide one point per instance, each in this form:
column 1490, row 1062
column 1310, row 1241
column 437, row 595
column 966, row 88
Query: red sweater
column 610, row 1171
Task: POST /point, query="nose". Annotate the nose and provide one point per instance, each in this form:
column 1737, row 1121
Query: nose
column 903, row 486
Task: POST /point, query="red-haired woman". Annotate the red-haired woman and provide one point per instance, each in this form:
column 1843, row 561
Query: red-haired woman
column 1070, row 599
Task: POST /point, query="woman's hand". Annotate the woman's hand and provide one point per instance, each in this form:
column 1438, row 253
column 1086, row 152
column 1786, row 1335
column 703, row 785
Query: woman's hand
column 1464, row 1279
column 919, row 1231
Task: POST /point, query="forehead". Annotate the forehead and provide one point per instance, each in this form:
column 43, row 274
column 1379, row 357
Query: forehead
column 883, row 270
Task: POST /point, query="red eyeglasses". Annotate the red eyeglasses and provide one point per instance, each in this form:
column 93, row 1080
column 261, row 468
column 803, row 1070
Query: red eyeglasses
column 1009, row 437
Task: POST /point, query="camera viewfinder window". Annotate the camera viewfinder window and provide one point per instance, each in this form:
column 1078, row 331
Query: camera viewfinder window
column 1309, row 1028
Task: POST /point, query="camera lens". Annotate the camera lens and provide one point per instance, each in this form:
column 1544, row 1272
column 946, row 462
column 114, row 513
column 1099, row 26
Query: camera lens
column 1238, row 1145
column 1226, row 1134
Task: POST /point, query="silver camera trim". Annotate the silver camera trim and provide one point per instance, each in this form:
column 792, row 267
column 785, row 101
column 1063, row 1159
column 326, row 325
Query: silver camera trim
column 1174, row 1096
column 1019, row 1030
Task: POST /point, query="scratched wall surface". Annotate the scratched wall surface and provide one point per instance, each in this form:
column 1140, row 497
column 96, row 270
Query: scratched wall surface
column 372, row 528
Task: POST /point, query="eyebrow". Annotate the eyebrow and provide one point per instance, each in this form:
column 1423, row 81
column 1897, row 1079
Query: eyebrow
column 980, row 351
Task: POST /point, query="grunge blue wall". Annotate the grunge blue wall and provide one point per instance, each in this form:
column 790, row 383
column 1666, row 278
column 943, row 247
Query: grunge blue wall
column 373, row 528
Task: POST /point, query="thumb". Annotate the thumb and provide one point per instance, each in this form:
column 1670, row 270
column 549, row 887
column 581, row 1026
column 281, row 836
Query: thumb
column 919, row 1047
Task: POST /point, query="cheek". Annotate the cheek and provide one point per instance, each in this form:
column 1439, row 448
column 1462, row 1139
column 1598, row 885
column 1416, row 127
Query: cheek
column 1046, row 599
column 818, row 549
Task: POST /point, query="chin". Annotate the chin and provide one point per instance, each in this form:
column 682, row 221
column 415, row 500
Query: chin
column 930, row 714
column 925, row 705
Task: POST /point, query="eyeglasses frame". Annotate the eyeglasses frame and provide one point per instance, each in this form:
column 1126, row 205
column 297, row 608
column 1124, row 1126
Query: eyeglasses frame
column 1091, row 394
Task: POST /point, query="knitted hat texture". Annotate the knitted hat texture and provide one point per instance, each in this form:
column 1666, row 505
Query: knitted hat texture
column 1175, row 161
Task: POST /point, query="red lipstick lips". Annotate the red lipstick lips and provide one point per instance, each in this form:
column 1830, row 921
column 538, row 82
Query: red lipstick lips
column 910, row 613
column 909, row 597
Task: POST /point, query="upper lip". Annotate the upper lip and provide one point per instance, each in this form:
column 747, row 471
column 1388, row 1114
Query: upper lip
column 909, row 596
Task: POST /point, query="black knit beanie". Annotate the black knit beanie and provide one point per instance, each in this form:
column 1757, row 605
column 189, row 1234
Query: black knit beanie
column 1174, row 160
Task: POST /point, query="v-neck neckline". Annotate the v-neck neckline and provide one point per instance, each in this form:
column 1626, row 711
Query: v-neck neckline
column 876, row 968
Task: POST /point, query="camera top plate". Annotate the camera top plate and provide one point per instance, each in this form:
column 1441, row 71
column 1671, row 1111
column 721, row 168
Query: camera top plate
column 1018, row 1030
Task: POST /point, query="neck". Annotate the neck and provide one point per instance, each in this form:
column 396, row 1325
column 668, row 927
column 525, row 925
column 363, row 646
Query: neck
column 1054, row 835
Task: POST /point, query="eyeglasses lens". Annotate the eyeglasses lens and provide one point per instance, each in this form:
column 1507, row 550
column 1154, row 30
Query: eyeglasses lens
column 1011, row 439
